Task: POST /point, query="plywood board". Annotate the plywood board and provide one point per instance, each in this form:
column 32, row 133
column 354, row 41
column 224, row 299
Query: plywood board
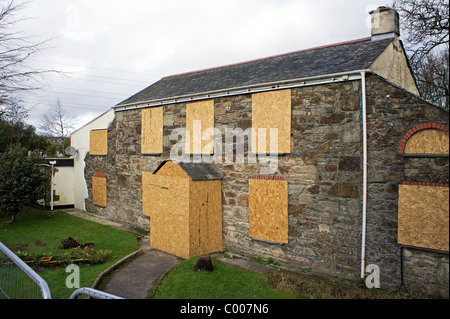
column 205, row 217
column 200, row 127
column 166, row 200
column 170, row 233
column 164, row 193
column 271, row 110
column 99, row 191
column 423, row 216
column 429, row 141
column 152, row 130
column 185, row 215
column 171, row 168
column 98, row 142
column 268, row 210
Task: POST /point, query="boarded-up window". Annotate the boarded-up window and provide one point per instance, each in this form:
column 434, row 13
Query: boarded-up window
column 152, row 130
column 98, row 143
column 268, row 209
column 99, row 189
column 200, row 127
column 430, row 138
column 429, row 141
column 423, row 216
column 271, row 122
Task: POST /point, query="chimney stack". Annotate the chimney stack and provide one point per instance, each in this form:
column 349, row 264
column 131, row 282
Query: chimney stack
column 385, row 23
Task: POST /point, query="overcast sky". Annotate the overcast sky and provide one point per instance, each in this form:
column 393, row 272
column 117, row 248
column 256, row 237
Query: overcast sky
column 108, row 50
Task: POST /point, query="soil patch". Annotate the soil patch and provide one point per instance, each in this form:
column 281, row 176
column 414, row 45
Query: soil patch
column 70, row 242
column 40, row 243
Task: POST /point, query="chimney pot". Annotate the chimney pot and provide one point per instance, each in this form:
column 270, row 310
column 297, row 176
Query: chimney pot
column 385, row 23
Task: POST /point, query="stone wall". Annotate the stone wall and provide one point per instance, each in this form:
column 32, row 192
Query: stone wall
column 391, row 113
column 323, row 171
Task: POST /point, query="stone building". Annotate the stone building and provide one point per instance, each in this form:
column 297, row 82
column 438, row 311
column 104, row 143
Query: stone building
column 330, row 189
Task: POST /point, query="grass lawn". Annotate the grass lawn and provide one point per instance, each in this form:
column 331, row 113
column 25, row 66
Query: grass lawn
column 228, row 282
column 41, row 232
column 224, row 282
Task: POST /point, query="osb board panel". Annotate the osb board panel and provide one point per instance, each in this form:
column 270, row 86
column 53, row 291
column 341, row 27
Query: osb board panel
column 271, row 110
column 152, row 130
column 172, row 169
column 170, row 233
column 98, row 143
column 166, row 200
column 99, row 191
column 428, row 141
column 164, row 193
column 423, row 216
column 205, row 217
column 200, row 127
column 268, row 210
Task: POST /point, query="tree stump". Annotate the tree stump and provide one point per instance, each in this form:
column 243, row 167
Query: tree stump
column 204, row 263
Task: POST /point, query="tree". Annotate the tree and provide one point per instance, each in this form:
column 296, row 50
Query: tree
column 16, row 48
column 425, row 24
column 12, row 111
column 432, row 73
column 57, row 123
column 23, row 180
column 12, row 132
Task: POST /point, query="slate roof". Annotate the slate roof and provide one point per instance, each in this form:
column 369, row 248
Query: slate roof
column 331, row 59
column 198, row 171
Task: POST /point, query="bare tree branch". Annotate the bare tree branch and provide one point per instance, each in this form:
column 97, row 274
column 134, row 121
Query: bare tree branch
column 57, row 122
column 16, row 73
column 425, row 28
column 426, row 24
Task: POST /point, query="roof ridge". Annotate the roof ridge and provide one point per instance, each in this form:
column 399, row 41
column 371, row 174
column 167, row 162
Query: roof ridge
column 269, row 57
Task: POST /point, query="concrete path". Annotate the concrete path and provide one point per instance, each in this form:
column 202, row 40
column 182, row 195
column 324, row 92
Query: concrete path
column 137, row 276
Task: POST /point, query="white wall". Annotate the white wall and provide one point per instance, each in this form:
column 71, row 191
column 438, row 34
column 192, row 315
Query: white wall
column 63, row 182
column 80, row 140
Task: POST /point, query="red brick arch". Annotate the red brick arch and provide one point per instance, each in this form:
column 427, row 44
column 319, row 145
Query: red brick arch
column 417, row 128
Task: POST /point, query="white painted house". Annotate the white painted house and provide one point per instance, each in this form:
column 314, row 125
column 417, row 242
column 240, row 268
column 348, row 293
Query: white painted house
column 80, row 140
column 63, row 186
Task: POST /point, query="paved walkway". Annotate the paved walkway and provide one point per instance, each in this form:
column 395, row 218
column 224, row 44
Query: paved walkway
column 136, row 276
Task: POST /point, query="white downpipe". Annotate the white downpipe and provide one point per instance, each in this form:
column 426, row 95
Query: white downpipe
column 364, row 204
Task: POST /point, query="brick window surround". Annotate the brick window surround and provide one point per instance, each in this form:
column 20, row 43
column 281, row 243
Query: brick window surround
column 425, row 184
column 417, row 128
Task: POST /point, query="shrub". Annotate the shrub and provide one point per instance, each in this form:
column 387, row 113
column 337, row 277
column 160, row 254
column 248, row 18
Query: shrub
column 23, row 180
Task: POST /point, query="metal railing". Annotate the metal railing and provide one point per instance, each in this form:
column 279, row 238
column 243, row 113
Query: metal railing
column 19, row 281
column 93, row 293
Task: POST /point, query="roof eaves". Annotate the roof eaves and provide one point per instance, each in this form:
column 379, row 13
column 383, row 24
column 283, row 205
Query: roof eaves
column 307, row 81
